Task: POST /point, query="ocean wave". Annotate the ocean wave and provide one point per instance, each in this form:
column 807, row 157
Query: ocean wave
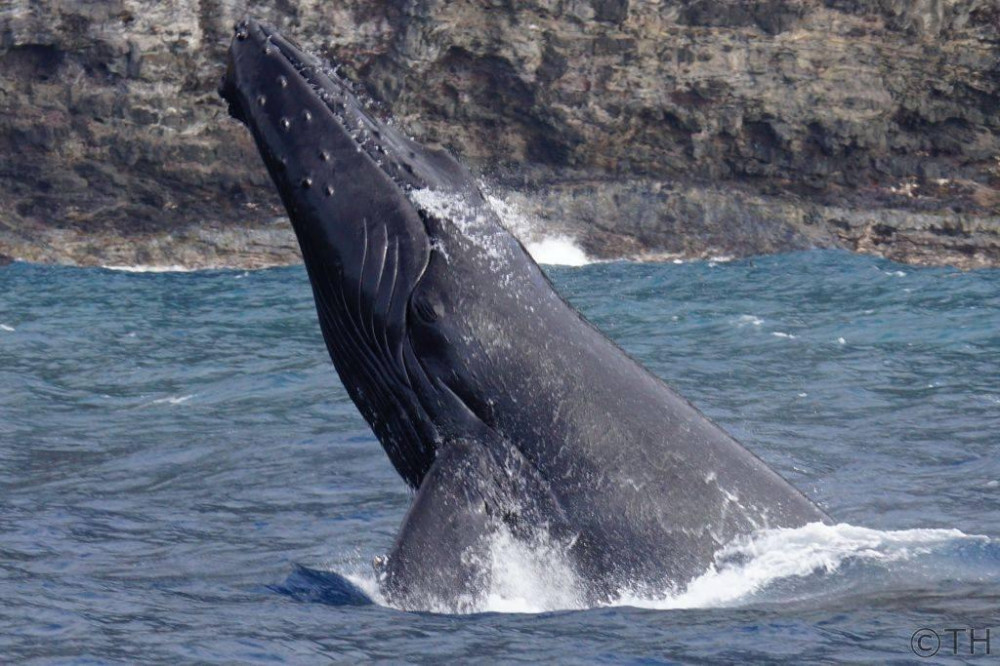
column 151, row 268
column 558, row 251
column 170, row 400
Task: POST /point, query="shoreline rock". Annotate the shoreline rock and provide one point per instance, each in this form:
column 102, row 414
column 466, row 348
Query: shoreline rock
column 649, row 221
column 641, row 129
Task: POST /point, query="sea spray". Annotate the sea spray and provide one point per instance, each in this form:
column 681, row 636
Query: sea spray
column 537, row 576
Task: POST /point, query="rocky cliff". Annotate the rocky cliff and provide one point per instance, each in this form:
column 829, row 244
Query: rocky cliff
column 641, row 128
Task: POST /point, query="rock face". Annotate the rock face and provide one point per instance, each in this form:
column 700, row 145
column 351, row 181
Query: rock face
column 641, row 128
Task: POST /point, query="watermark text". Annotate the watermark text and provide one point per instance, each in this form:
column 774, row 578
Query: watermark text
column 951, row 642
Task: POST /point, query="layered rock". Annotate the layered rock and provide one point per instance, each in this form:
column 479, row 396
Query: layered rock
column 695, row 127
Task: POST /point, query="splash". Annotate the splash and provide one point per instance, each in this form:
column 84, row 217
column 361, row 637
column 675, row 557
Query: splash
column 472, row 222
column 557, row 251
column 752, row 564
column 546, row 249
column 524, row 577
column 538, row 577
column 530, row 577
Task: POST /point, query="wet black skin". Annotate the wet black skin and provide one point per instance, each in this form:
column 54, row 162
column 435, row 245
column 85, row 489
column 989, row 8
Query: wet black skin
column 490, row 394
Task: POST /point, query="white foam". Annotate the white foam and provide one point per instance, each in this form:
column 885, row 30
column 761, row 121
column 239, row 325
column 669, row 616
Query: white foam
column 558, row 251
column 524, row 577
column 529, row 578
column 748, row 319
column 149, row 268
column 537, row 577
column 5, row 327
column 365, row 580
column 782, row 334
column 547, row 249
column 170, row 400
column 479, row 227
column 750, row 564
column 511, row 216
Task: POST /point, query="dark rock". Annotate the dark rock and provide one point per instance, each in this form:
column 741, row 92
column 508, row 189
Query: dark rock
column 610, row 11
column 758, row 125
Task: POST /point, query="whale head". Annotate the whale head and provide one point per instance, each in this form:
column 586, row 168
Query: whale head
column 343, row 176
column 390, row 232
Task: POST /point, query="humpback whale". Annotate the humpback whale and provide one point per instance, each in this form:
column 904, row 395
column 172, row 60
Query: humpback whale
column 501, row 406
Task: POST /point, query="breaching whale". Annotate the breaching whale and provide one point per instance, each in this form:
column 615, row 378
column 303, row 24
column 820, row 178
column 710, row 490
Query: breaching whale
column 502, row 406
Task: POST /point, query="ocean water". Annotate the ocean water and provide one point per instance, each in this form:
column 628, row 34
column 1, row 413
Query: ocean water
column 183, row 479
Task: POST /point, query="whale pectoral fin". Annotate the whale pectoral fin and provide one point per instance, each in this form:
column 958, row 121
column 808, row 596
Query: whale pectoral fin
column 441, row 553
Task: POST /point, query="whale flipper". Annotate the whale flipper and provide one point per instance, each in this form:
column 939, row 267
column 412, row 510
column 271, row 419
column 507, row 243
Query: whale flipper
column 447, row 532
column 477, row 491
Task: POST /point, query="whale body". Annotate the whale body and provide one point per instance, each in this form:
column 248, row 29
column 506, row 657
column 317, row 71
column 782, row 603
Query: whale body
column 506, row 411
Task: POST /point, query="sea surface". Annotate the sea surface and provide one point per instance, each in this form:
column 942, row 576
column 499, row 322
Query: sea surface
column 184, row 480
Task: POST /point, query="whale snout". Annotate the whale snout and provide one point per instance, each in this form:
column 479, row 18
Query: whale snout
column 228, row 85
column 227, row 91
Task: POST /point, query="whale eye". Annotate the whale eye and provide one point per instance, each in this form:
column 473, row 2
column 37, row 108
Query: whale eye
column 428, row 307
column 282, row 81
column 285, row 124
column 324, row 155
column 307, row 116
column 307, row 182
column 262, row 100
column 328, row 190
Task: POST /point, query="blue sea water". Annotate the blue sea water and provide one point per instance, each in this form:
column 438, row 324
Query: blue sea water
column 183, row 479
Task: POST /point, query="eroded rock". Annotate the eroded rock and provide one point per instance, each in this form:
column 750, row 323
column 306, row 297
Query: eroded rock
column 641, row 128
